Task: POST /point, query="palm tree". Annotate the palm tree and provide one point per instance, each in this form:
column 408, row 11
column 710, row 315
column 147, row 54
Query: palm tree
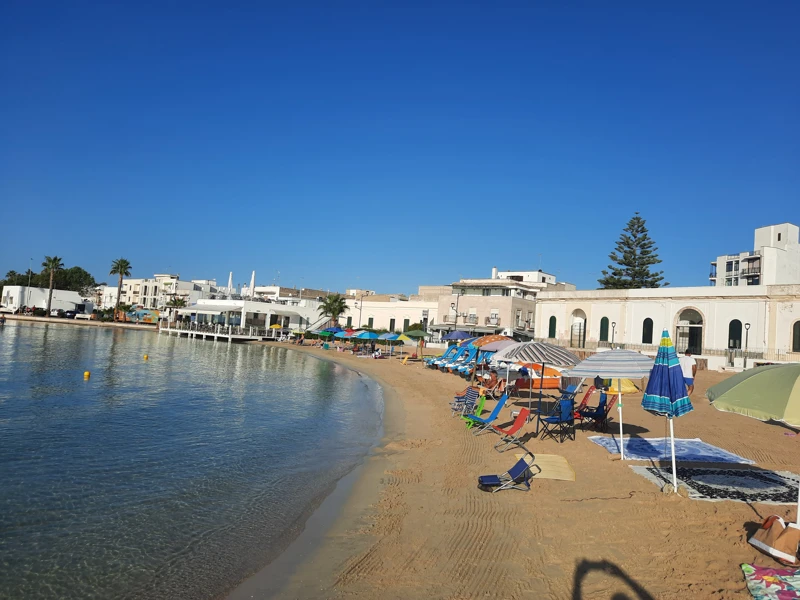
column 333, row 306
column 122, row 268
column 51, row 264
column 176, row 303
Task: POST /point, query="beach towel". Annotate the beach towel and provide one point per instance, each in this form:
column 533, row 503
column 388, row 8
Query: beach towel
column 551, row 466
column 686, row 450
column 772, row 584
column 738, row 485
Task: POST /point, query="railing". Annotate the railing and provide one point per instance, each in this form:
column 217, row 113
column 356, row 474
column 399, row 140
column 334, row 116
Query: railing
column 492, row 321
column 450, row 319
column 471, row 319
column 712, row 275
column 750, row 271
column 221, row 329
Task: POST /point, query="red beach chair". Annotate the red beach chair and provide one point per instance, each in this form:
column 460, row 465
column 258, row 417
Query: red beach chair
column 509, row 436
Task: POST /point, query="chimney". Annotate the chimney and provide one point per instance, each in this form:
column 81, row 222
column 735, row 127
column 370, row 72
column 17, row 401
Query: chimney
column 494, row 272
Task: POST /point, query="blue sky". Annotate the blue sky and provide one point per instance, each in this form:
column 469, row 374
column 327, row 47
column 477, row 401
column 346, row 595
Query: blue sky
column 383, row 147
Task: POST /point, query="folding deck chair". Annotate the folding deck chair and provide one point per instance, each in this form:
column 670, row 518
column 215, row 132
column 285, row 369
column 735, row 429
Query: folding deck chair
column 598, row 417
column 462, row 404
column 562, row 423
column 509, row 436
column 582, row 406
column 517, row 477
column 478, row 410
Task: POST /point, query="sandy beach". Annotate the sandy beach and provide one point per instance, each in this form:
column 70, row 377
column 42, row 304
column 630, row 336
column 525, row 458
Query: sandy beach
column 417, row 526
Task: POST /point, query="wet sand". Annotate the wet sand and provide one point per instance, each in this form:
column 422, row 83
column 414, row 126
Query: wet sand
column 416, row 525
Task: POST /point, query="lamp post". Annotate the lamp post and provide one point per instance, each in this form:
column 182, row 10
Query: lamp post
column 613, row 332
column 30, row 272
column 454, row 306
column 360, row 306
column 746, row 341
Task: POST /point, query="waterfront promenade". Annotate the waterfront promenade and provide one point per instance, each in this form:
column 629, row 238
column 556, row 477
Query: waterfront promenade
column 83, row 322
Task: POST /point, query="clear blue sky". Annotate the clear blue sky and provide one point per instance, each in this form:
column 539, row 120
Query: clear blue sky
column 358, row 144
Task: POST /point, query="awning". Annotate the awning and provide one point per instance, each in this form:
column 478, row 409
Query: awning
column 210, row 309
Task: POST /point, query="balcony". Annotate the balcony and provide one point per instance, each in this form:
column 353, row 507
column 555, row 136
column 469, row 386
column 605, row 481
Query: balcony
column 493, row 321
column 751, row 272
column 471, row 319
column 712, row 275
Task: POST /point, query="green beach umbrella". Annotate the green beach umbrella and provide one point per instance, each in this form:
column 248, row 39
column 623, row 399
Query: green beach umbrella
column 417, row 334
column 765, row 393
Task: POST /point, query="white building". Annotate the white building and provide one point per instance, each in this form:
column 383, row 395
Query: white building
column 254, row 313
column 774, row 260
column 718, row 323
column 158, row 291
column 393, row 312
column 17, row 296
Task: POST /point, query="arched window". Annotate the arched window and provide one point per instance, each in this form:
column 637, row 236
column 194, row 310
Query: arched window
column 735, row 334
column 604, row 329
column 551, row 331
column 796, row 337
column 647, row 331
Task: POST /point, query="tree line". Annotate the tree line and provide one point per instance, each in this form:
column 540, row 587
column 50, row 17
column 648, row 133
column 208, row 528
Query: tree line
column 75, row 279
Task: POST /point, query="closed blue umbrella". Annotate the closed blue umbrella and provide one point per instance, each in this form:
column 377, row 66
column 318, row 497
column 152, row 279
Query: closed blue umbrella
column 666, row 392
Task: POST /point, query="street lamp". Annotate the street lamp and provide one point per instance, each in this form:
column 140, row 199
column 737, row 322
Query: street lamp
column 360, row 304
column 30, row 272
column 613, row 332
column 454, row 306
column 746, row 340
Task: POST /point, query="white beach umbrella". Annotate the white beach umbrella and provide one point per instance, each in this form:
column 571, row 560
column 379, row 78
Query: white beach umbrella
column 230, row 283
column 615, row 364
column 253, row 285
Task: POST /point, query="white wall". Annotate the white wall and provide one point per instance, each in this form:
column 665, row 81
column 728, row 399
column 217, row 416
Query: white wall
column 16, row 296
column 382, row 312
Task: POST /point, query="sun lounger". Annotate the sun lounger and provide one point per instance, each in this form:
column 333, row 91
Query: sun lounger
column 509, row 436
column 482, row 424
column 517, row 477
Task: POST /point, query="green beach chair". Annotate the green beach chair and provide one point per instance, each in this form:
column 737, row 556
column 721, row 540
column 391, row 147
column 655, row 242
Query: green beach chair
column 478, row 411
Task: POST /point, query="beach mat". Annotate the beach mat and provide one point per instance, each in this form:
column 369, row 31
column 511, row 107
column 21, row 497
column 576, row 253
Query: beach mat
column 772, row 584
column 552, row 466
column 738, row 485
column 686, row 450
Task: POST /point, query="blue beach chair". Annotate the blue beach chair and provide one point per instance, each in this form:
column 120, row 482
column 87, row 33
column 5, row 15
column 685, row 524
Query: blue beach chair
column 462, row 404
column 562, row 423
column 480, row 424
column 517, row 477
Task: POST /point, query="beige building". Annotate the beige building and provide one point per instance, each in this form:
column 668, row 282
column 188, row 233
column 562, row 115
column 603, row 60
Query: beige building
column 774, row 260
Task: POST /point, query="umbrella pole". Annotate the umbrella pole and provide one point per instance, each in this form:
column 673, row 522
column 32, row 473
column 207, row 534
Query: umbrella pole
column 541, row 385
column 674, row 469
column 619, row 408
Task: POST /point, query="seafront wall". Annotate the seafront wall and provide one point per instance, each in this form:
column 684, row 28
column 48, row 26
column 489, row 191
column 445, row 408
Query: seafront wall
column 82, row 322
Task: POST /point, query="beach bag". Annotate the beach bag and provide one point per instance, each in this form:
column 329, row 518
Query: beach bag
column 778, row 539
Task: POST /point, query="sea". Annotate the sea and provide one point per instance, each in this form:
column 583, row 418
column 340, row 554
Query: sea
column 175, row 476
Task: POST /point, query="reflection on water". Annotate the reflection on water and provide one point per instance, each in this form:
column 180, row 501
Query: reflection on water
column 169, row 478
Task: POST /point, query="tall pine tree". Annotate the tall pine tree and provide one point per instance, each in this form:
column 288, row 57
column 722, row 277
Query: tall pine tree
column 634, row 255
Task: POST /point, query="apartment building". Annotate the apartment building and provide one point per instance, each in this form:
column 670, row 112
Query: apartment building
column 774, row 260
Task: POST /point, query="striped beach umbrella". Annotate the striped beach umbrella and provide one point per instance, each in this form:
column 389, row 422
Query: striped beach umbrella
column 615, row 364
column 666, row 392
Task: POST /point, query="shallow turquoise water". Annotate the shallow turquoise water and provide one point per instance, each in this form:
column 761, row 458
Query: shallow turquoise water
column 174, row 477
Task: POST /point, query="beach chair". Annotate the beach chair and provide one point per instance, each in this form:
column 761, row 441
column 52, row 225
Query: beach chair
column 566, row 394
column 478, row 410
column 405, row 361
column 582, row 406
column 517, row 477
column 561, row 425
column 597, row 418
column 509, row 436
column 434, row 361
column 482, row 424
column 462, row 404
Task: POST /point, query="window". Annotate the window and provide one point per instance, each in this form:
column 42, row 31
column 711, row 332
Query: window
column 391, row 324
column 369, row 322
column 647, row 331
column 604, row 329
column 487, row 292
column 529, row 320
column 796, row 337
column 506, row 292
column 519, row 318
column 551, row 331
column 406, row 323
column 349, row 321
column 779, row 237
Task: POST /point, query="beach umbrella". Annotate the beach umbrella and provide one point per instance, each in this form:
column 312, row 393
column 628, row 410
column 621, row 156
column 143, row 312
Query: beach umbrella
column 275, row 326
column 540, row 353
column 498, row 345
column 333, row 329
column 488, row 339
column 457, row 335
column 615, row 364
column 322, row 333
column 253, row 285
column 419, row 335
column 666, row 393
column 230, row 283
column 366, row 335
column 768, row 393
column 342, row 334
column 771, row 392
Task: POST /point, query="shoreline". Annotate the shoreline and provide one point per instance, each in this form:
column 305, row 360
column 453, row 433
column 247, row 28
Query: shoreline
column 344, row 507
column 82, row 323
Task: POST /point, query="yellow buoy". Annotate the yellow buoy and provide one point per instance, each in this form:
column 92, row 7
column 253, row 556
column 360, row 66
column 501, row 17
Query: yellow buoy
column 86, row 374
column 146, row 357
